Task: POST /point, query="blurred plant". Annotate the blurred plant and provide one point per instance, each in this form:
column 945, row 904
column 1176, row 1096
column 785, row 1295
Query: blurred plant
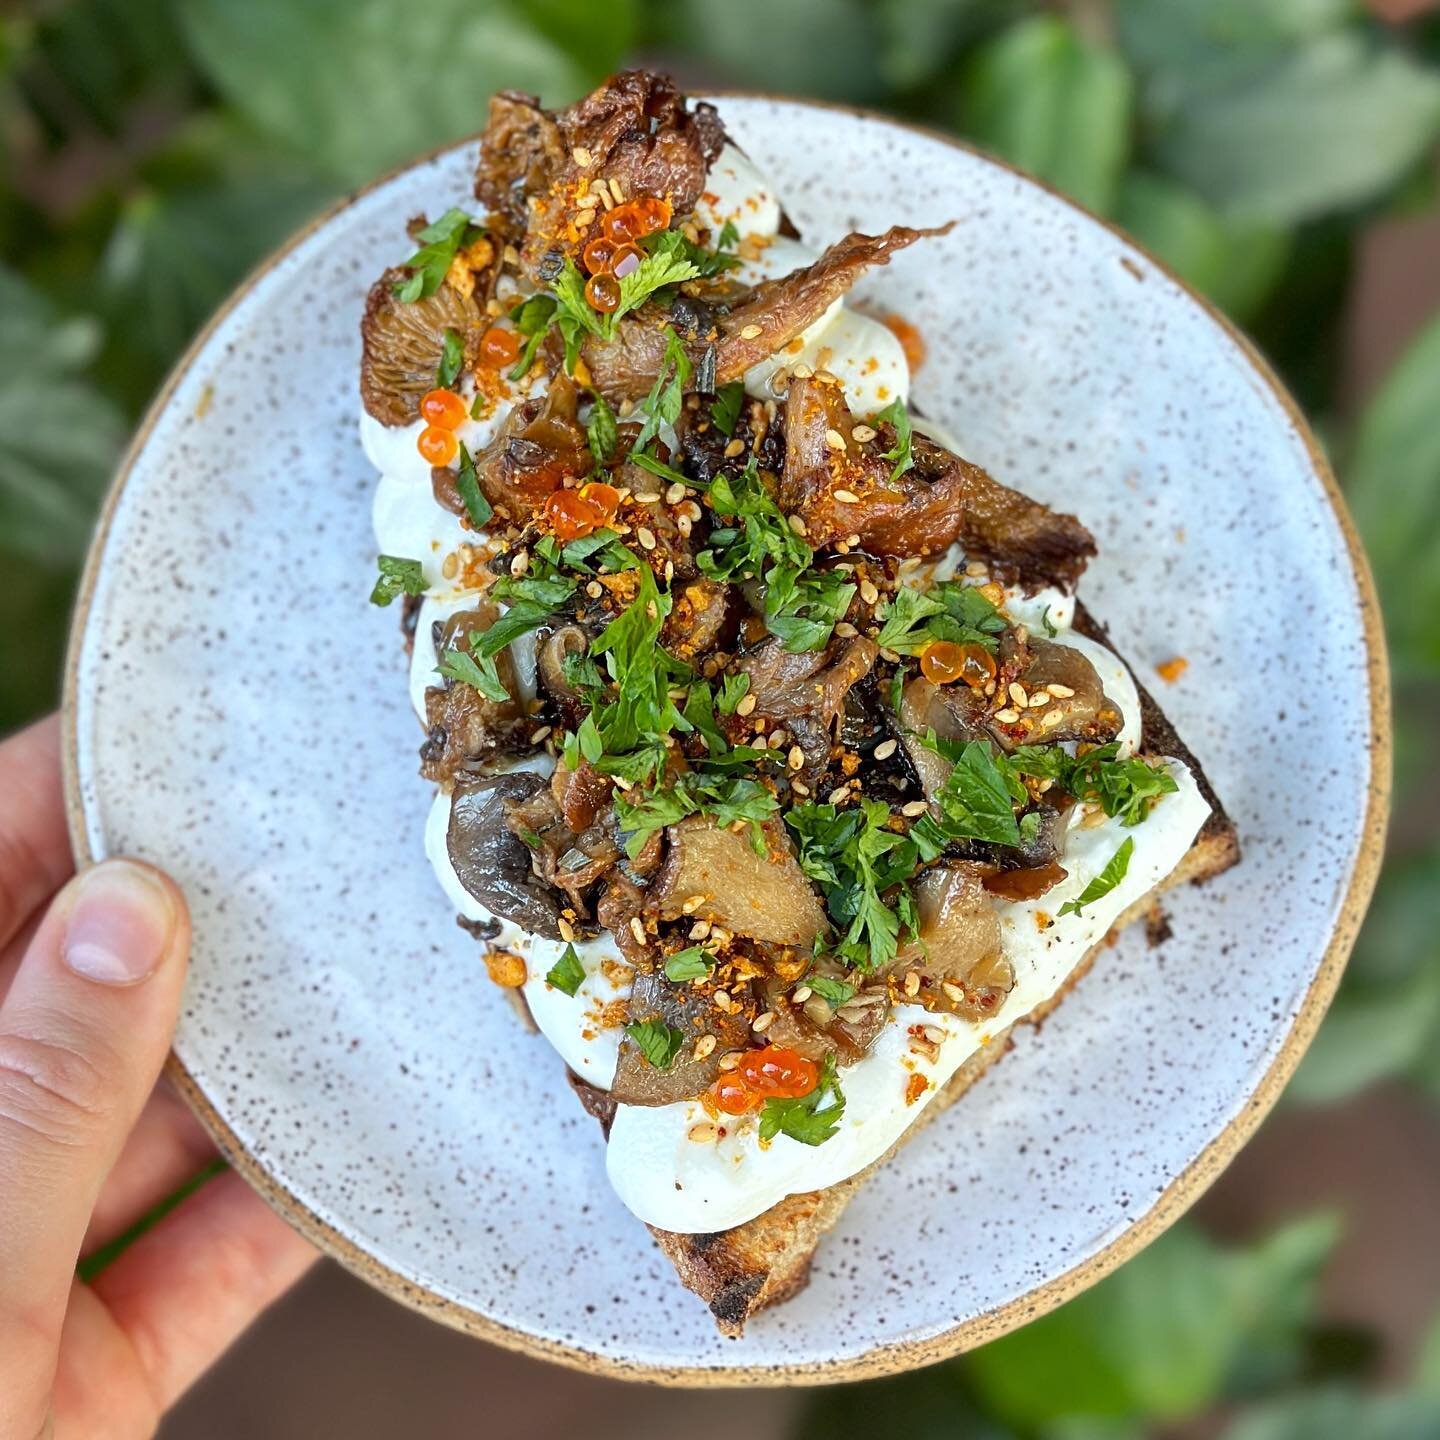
column 152, row 150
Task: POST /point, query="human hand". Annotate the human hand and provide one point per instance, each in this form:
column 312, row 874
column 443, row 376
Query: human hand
column 90, row 986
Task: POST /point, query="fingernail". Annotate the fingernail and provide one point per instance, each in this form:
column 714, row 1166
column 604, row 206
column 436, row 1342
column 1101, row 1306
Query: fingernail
column 120, row 925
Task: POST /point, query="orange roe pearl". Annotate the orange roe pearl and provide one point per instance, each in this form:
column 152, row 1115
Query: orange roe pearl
column 443, row 408
column 626, row 260
column 651, row 213
column 943, row 662
column 605, row 498
column 623, row 224
column 732, row 1096
column 979, row 666
column 603, row 293
column 437, row 445
column 499, row 348
column 572, row 516
column 778, row 1071
column 599, row 255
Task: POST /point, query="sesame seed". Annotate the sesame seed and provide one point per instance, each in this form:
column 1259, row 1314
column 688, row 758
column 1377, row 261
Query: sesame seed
column 646, row 537
column 1051, row 718
column 567, row 930
column 700, row 929
column 583, row 158
column 746, row 705
column 802, row 994
column 683, row 523
column 1007, row 716
column 751, row 332
column 796, row 758
column 912, row 983
column 836, row 441
column 511, row 255
column 976, row 567
column 1038, row 699
column 778, row 737
column 934, row 1034
column 846, row 630
column 702, row 1131
column 616, row 191
column 886, row 748
column 669, row 571
column 594, row 589
column 675, row 494
column 605, row 199
column 914, row 808
column 852, row 541
column 763, row 1022
column 450, row 567
column 868, row 593
column 637, row 929
column 692, row 903
column 952, row 991
column 799, row 787
column 703, row 1046
column 722, row 999
column 734, row 448
column 797, row 524
column 521, row 563
column 1060, row 692
column 847, row 497
column 1018, row 695
column 730, row 1061
column 647, row 497
column 801, row 372
column 538, row 735
column 839, row 795
column 909, row 563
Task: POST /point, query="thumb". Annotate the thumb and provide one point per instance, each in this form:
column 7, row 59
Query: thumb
column 83, row 1034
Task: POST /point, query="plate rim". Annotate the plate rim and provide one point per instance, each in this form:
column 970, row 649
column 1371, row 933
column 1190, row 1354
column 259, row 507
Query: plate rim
column 897, row 1356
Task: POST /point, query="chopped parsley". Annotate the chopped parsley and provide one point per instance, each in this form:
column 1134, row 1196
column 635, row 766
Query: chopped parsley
column 532, row 318
column 443, row 239
column 707, row 263
column 914, row 619
column 1105, row 881
column 452, row 357
column 398, row 576
column 689, row 964
column 733, row 689
column 477, row 507
column 669, row 262
column 662, row 405
column 1124, row 789
column 805, row 1119
column 855, row 858
column 896, row 414
column 602, row 432
column 475, row 668
column 658, row 467
column 725, row 412
column 979, row 796
column 567, row 973
column 726, row 798
column 658, row 1042
column 833, row 992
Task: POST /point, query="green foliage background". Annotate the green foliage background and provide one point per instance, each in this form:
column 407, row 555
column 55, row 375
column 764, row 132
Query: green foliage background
column 152, row 150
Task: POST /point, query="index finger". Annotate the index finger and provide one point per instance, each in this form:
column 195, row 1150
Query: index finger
column 35, row 858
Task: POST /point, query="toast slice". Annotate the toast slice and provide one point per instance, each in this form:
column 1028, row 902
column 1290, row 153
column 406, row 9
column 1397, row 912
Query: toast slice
column 741, row 1271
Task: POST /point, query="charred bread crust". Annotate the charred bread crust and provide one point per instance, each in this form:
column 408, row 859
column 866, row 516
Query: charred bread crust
column 741, row 1271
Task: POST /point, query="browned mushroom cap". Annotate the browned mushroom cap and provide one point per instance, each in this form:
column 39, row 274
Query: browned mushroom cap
column 402, row 343
column 958, row 950
column 764, row 897
column 637, row 1081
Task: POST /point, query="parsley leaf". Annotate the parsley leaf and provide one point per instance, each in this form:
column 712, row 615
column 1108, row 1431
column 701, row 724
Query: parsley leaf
column 1105, row 881
column 733, row 689
column 473, row 668
column 977, row 800
column 728, row 237
column 668, row 263
column 896, row 414
column 602, row 431
column 725, row 412
column 662, row 405
column 802, row 608
column 658, row 1042
column 477, row 507
column 727, row 798
column 532, row 318
column 452, row 356
column 915, row 619
column 443, row 240
column 567, row 973
column 1127, row 789
column 648, row 462
column 707, row 263
column 835, row 992
column 804, row 1119
column 689, row 964
column 398, row 576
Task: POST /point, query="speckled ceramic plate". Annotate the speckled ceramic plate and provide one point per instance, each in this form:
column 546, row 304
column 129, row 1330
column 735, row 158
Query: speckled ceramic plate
column 238, row 714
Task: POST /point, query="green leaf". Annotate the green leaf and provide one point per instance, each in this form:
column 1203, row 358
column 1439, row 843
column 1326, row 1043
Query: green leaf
column 1184, row 36
column 51, row 475
column 1325, row 125
column 1334, row 1414
column 452, row 356
column 1157, row 1340
column 467, row 485
column 397, row 577
column 804, row 1118
column 361, row 86
column 658, row 1042
column 1394, row 496
column 725, row 412
column 1235, row 262
column 897, row 415
column 1050, row 101
column 474, row 668
column 1113, row 873
column 835, row 992
column 689, row 964
column 602, row 431
column 567, row 973
column 977, row 800
column 733, row 689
